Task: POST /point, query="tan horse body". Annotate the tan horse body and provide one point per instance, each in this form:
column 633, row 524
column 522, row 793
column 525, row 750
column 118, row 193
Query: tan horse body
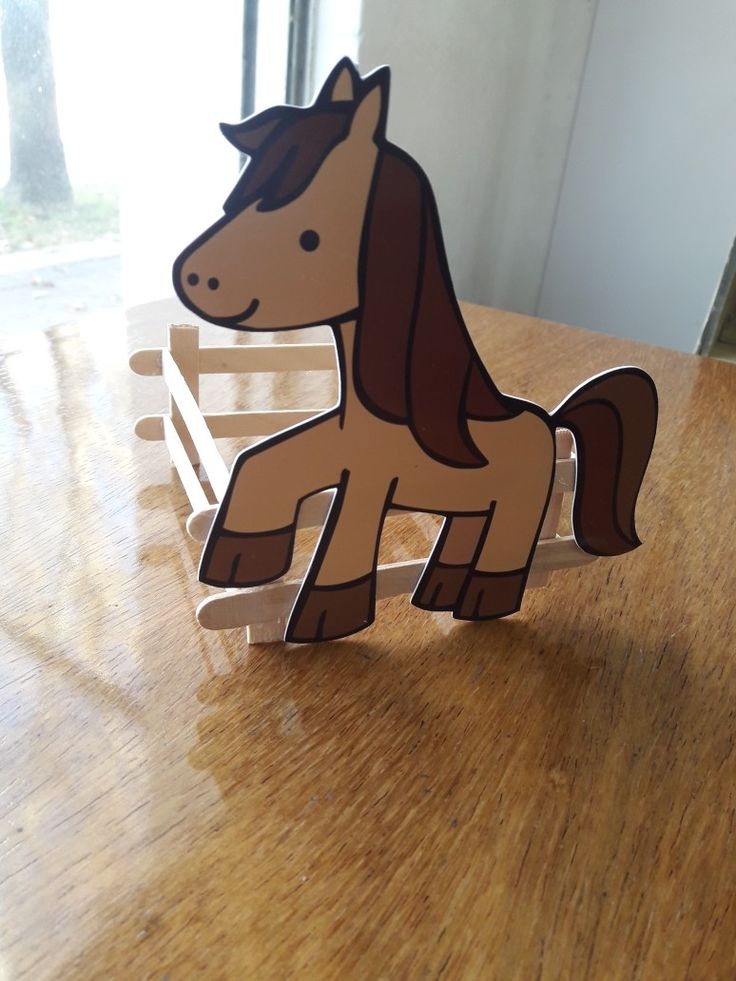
column 486, row 463
column 380, row 456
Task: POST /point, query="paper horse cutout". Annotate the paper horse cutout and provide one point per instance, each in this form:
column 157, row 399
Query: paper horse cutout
column 330, row 223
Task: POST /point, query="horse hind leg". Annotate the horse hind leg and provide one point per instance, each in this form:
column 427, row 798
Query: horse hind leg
column 450, row 563
column 495, row 586
column 491, row 595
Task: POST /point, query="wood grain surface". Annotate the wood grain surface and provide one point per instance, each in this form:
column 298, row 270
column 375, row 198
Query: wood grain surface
column 549, row 796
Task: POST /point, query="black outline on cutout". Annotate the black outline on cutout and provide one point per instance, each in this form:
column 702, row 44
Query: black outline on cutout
column 254, row 135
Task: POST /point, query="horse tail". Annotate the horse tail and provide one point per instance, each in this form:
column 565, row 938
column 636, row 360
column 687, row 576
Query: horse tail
column 613, row 418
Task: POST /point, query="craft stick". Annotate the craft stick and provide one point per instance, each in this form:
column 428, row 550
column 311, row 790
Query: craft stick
column 246, row 607
column 187, row 474
column 196, row 425
column 245, row 358
column 314, row 509
column 564, row 476
column 251, row 423
column 150, row 427
column 146, row 361
column 184, row 349
column 268, row 358
column 266, row 604
column 564, row 464
column 265, row 633
column 236, row 425
column 564, row 443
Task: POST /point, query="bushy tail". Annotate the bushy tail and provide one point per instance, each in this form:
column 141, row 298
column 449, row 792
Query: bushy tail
column 613, row 418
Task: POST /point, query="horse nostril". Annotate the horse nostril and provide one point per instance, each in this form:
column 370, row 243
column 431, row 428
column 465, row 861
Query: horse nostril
column 213, row 282
column 192, row 279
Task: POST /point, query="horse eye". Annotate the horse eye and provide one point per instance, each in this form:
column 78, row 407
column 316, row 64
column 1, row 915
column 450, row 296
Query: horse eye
column 309, row 240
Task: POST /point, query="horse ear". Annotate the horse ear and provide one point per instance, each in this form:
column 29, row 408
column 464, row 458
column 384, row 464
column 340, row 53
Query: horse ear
column 249, row 135
column 369, row 119
column 341, row 84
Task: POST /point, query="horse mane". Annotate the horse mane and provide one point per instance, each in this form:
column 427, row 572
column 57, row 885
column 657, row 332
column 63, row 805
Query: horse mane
column 415, row 362
column 288, row 145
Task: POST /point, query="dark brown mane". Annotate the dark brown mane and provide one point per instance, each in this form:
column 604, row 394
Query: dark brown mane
column 292, row 145
column 415, row 362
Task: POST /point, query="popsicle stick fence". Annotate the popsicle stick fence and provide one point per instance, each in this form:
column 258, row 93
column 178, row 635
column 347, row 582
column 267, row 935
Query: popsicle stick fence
column 190, row 436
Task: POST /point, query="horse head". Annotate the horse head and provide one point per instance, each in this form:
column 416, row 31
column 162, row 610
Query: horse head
column 286, row 251
column 329, row 222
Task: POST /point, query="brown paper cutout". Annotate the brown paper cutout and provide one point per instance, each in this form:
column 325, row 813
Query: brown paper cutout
column 329, row 222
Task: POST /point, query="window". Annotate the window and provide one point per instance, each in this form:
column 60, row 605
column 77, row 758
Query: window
column 120, row 160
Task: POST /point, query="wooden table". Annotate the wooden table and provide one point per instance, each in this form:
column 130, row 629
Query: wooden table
column 552, row 796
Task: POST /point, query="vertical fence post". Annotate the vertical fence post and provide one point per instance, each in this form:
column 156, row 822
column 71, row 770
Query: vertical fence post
column 266, row 633
column 563, row 451
column 184, row 348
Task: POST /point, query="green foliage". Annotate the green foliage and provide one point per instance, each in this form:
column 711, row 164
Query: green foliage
column 94, row 214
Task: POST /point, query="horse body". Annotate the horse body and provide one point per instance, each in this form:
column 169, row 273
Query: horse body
column 331, row 223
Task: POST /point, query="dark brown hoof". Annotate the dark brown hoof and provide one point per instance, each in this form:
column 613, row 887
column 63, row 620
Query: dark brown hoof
column 440, row 586
column 489, row 595
column 329, row 612
column 231, row 559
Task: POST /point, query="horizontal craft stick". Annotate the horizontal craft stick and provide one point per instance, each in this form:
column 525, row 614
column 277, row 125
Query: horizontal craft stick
column 268, row 358
column 236, row 425
column 263, row 604
column 244, row 358
column 146, row 361
column 314, row 509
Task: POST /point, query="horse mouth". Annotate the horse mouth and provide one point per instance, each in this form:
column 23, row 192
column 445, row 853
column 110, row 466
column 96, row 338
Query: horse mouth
column 248, row 312
column 235, row 320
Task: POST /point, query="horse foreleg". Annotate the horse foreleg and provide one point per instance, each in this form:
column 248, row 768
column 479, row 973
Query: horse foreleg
column 450, row 563
column 338, row 596
column 252, row 539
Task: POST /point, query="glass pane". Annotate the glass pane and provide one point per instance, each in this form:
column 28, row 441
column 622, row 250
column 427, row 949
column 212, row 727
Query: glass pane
column 111, row 158
column 59, row 162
